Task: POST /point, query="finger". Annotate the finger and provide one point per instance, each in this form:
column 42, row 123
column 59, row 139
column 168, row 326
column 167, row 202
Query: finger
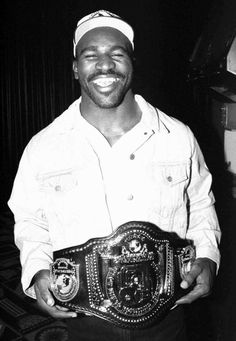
column 197, row 292
column 61, row 308
column 61, row 314
column 55, row 311
column 43, row 294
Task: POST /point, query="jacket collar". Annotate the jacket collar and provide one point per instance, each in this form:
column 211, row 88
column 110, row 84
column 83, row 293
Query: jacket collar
column 153, row 120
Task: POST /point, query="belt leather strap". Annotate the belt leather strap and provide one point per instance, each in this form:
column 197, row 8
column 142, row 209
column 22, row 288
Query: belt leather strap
column 130, row 278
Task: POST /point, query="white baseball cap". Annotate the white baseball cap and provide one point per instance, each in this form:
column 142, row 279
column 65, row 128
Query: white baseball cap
column 102, row 18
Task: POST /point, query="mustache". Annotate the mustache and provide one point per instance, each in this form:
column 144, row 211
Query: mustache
column 109, row 73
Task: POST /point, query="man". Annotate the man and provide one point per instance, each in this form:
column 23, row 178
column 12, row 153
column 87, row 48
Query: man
column 109, row 159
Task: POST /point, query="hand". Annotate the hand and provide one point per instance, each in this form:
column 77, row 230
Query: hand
column 202, row 274
column 45, row 299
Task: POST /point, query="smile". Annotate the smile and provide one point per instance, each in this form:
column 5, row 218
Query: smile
column 105, row 81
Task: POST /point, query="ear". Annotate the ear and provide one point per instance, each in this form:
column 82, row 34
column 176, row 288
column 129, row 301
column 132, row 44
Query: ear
column 75, row 69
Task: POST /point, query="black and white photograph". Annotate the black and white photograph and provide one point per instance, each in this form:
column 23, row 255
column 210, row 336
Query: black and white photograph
column 118, row 170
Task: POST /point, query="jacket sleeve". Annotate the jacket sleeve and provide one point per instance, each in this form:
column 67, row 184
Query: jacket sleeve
column 31, row 227
column 203, row 226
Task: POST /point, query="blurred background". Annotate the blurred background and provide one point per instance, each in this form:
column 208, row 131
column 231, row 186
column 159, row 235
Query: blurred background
column 186, row 66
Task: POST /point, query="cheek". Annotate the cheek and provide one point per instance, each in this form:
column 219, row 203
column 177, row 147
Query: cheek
column 129, row 69
column 82, row 77
column 85, row 69
column 126, row 66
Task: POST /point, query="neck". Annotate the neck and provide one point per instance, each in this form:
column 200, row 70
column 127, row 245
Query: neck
column 112, row 122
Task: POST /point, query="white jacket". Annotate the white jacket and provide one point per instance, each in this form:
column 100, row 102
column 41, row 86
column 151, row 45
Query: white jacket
column 71, row 186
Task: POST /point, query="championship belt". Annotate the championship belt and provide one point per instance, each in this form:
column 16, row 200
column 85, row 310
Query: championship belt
column 130, row 278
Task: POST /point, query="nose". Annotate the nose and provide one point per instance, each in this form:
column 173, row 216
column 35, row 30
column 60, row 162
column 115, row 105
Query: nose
column 105, row 63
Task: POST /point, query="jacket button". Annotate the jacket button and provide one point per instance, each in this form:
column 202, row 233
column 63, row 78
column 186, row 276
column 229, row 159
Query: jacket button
column 132, row 156
column 169, row 178
column 130, row 197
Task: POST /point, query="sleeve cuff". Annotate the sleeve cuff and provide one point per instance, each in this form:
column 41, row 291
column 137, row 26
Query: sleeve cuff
column 28, row 273
column 214, row 255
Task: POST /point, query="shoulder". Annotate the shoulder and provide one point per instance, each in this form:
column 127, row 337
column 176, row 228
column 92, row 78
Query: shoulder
column 176, row 135
column 160, row 120
column 61, row 126
column 172, row 124
column 50, row 145
column 168, row 128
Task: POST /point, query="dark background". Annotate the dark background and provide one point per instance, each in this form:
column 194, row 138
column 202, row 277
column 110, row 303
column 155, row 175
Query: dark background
column 36, row 61
column 37, row 85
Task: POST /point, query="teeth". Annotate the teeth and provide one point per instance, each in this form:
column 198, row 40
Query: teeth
column 104, row 81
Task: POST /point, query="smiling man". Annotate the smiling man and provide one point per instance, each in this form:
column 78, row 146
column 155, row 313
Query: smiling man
column 114, row 169
column 104, row 67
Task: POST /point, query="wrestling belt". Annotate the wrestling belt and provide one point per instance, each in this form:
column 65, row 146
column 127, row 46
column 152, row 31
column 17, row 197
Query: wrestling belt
column 130, row 278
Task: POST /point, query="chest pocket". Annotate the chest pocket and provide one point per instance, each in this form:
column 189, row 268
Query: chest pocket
column 60, row 191
column 57, row 182
column 175, row 174
column 170, row 184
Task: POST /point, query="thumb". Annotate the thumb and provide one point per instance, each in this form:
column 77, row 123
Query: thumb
column 43, row 293
column 42, row 290
column 50, row 301
column 184, row 284
column 46, row 295
column 190, row 277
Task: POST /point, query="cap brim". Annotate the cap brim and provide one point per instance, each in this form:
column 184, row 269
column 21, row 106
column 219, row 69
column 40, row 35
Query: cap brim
column 90, row 24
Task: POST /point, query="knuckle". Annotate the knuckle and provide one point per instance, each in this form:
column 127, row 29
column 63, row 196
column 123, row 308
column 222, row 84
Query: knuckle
column 197, row 268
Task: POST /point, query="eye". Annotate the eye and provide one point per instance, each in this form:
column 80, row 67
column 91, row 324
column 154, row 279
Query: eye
column 117, row 54
column 90, row 56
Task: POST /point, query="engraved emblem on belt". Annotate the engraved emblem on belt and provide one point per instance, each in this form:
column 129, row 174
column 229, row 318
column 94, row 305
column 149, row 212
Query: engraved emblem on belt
column 64, row 279
column 134, row 278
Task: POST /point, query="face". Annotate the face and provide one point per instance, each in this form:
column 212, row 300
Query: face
column 103, row 67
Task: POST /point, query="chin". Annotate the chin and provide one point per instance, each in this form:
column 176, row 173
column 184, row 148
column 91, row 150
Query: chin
column 107, row 105
column 108, row 102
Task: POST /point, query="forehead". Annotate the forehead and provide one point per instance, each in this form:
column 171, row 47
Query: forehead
column 101, row 37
